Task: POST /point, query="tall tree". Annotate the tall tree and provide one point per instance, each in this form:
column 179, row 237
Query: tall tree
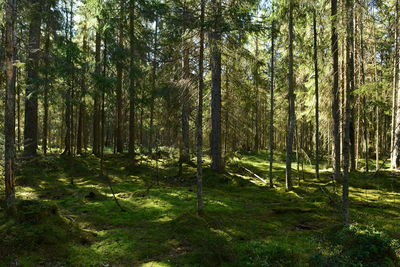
column 32, row 89
column 271, row 113
column 348, row 115
column 335, row 92
column 119, row 66
column 131, row 146
column 199, row 132
column 46, row 90
column 185, row 96
column 96, row 104
column 291, row 99
column 215, row 39
column 316, row 95
column 395, row 88
column 9, row 115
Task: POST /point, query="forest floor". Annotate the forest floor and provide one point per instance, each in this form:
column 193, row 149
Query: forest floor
column 246, row 223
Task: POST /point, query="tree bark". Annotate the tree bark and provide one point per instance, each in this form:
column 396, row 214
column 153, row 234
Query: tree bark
column 32, row 64
column 271, row 114
column 215, row 43
column 185, row 106
column 364, row 101
column 316, row 96
column 348, row 115
column 46, row 91
column 9, row 113
column 335, row 92
column 199, row 132
column 96, row 105
column 82, row 106
column 119, row 140
column 291, row 99
column 132, row 93
column 256, row 104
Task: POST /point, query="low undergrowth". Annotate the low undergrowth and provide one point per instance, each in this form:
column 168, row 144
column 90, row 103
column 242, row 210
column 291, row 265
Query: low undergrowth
column 68, row 216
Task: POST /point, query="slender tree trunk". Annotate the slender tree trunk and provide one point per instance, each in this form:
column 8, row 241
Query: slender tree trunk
column 9, row 113
column 316, row 97
column 119, row 119
column 364, row 101
column 256, row 109
column 96, row 105
column 81, row 117
column 132, row 93
column 395, row 86
column 335, row 92
column 377, row 107
column 291, row 96
column 215, row 48
column 69, row 111
column 46, row 91
column 153, row 85
column 185, row 106
column 18, row 88
column 31, row 100
column 271, row 114
column 200, row 115
column 348, row 115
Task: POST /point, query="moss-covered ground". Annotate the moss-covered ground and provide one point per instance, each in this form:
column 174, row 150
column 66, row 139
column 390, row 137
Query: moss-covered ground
column 245, row 222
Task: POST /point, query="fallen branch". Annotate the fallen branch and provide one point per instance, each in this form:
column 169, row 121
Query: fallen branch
column 255, row 175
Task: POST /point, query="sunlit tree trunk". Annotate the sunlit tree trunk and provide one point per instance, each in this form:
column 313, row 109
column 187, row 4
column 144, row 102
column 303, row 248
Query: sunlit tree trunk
column 271, row 114
column 291, row 96
column 394, row 126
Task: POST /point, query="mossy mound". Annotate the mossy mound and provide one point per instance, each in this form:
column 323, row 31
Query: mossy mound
column 38, row 227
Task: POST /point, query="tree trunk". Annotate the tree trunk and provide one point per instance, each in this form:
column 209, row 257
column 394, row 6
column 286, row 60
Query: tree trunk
column 46, row 91
column 199, row 131
column 153, row 86
column 271, row 114
column 364, row 101
column 81, row 117
column 185, row 105
column 395, row 86
column 316, row 96
column 215, row 43
column 348, row 115
column 256, row 104
column 335, row 92
column 132, row 93
column 119, row 119
column 31, row 100
column 9, row 113
column 96, row 105
column 291, row 99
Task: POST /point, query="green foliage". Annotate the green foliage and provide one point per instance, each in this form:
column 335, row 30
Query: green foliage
column 359, row 245
column 265, row 254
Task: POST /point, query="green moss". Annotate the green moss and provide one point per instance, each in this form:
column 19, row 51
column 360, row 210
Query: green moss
column 245, row 222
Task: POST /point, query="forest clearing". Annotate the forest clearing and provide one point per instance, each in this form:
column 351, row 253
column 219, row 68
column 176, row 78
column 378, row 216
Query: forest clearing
column 200, row 133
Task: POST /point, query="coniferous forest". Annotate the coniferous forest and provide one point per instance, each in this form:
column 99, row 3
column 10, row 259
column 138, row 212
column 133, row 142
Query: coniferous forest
column 200, row 133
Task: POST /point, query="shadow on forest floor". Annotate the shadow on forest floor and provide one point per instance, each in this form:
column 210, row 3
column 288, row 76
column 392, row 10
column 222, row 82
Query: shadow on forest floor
column 159, row 226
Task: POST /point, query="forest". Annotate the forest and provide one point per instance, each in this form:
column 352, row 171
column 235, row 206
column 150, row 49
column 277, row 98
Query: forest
column 200, row 133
